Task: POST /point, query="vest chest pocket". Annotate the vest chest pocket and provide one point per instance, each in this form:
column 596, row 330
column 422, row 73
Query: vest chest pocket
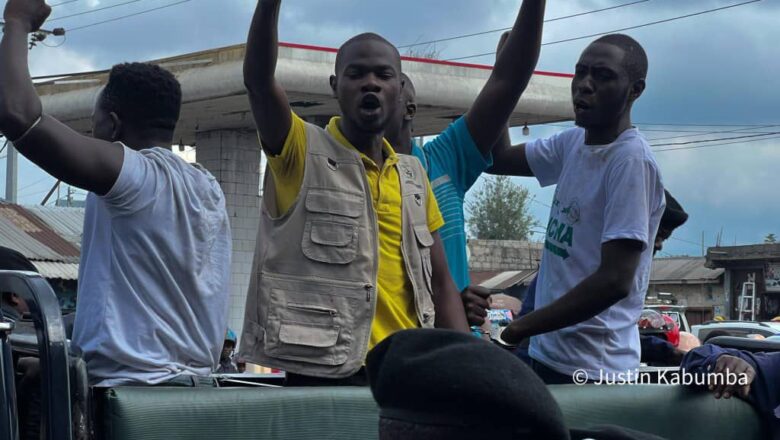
column 424, row 243
column 331, row 231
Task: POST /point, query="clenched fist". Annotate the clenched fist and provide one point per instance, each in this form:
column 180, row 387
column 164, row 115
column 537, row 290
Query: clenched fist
column 30, row 14
column 475, row 301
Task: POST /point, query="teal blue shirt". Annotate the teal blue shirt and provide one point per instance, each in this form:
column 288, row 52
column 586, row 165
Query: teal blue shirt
column 454, row 163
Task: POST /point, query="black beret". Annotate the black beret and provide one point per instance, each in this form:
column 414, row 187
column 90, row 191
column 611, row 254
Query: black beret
column 442, row 377
column 674, row 216
column 13, row 260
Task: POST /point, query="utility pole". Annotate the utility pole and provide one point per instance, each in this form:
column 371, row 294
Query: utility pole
column 11, row 172
column 703, row 253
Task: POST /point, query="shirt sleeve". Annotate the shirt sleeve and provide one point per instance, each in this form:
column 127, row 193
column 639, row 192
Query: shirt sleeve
column 632, row 195
column 764, row 389
column 456, row 153
column 545, row 157
column 435, row 219
column 287, row 168
column 140, row 178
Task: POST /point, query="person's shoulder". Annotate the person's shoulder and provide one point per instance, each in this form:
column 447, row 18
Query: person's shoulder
column 562, row 140
column 420, row 154
column 193, row 175
column 572, row 133
column 412, row 160
column 570, row 136
column 633, row 146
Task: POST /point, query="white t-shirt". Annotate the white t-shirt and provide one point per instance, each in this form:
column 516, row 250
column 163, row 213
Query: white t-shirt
column 604, row 193
column 154, row 274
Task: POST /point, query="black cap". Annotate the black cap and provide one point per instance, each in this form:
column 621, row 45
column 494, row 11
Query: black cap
column 674, row 215
column 13, row 260
column 442, row 377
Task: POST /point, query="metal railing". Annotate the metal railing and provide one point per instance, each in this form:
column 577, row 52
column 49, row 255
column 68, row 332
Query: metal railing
column 52, row 350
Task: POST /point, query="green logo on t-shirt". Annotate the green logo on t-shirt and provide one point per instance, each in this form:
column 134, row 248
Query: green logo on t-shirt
column 560, row 235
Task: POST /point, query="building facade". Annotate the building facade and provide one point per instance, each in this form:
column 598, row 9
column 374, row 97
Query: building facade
column 760, row 264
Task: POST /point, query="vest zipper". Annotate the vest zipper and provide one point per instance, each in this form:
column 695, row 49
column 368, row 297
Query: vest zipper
column 368, row 288
column 312, row 309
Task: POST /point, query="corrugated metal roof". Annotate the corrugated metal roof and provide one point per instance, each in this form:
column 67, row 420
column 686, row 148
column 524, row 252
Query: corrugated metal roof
column 55, row 269
column 68, row 222
column 683, row 270
column 23, row 231
column 507, row 279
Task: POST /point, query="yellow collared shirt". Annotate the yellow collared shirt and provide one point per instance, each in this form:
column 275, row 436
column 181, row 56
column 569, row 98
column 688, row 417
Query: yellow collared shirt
column 395, row 308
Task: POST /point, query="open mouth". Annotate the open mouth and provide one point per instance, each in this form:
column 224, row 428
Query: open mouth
column 581, row 105
column 370, row 102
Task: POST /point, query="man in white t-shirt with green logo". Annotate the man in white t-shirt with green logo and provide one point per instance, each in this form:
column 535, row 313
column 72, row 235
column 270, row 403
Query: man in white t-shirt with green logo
column 604, row 217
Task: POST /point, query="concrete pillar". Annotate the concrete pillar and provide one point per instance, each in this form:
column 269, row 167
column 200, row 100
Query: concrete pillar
column 727, row 292
column 234, row 158
column 11, row 173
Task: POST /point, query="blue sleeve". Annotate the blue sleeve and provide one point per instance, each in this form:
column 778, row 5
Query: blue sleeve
column 529, row 301
column 655, row 349
column 765, row 389
column 702, row 359
column 456, row 155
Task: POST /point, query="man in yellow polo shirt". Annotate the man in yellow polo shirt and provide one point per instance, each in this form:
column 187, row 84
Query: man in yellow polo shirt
column 394, row 308
column 370, row 262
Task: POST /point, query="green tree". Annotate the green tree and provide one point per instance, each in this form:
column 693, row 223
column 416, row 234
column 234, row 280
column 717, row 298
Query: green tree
column 770, row 238
column 499, row 211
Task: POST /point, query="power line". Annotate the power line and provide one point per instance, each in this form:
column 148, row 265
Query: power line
column 716, row 145
column 92, row 11
column 686, row 241
column 128, row 16
column 700, row 132
column 680, row 17
column 63, row 3
column 703, row 133
column 458, row 37
column 678, row 124
column 533, row 199
column 715, row 140
column 32, row 184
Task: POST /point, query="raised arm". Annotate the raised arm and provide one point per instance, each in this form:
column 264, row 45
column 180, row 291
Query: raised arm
column 446, row 298
column 509, row 160
column 78, row 160
column 514, row 67
column 270, row 106
column 610, row 283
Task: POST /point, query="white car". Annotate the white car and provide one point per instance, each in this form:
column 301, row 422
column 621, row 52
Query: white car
column 741, row 329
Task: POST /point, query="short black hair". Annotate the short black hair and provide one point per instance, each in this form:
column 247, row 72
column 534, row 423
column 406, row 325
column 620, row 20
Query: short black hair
column 144, row 94
column 366, row 36
column 674, row 215
column 635, row 60
column 11, row 259
column 408, row 85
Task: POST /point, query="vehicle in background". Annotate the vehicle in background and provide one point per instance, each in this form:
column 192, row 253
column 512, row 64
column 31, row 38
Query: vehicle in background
column 742, row 329
column 677, row 313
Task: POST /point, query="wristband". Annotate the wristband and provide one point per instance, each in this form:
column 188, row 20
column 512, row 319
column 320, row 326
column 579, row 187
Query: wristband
column 27, row 132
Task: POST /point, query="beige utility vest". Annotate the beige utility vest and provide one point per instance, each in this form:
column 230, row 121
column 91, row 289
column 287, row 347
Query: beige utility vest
column 312, row 294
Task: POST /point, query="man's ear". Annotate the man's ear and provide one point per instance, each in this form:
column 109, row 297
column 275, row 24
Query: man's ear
column 334, row 85
column 411, row 111
column 637, row 89
column 116, row 132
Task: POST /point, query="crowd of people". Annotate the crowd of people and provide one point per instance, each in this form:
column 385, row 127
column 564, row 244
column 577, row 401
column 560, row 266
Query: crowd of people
column 362, row 234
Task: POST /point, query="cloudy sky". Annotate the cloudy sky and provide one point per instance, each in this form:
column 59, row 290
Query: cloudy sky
column 712, row 76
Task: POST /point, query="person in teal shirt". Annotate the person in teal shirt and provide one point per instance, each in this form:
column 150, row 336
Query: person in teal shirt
column 459, row 155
